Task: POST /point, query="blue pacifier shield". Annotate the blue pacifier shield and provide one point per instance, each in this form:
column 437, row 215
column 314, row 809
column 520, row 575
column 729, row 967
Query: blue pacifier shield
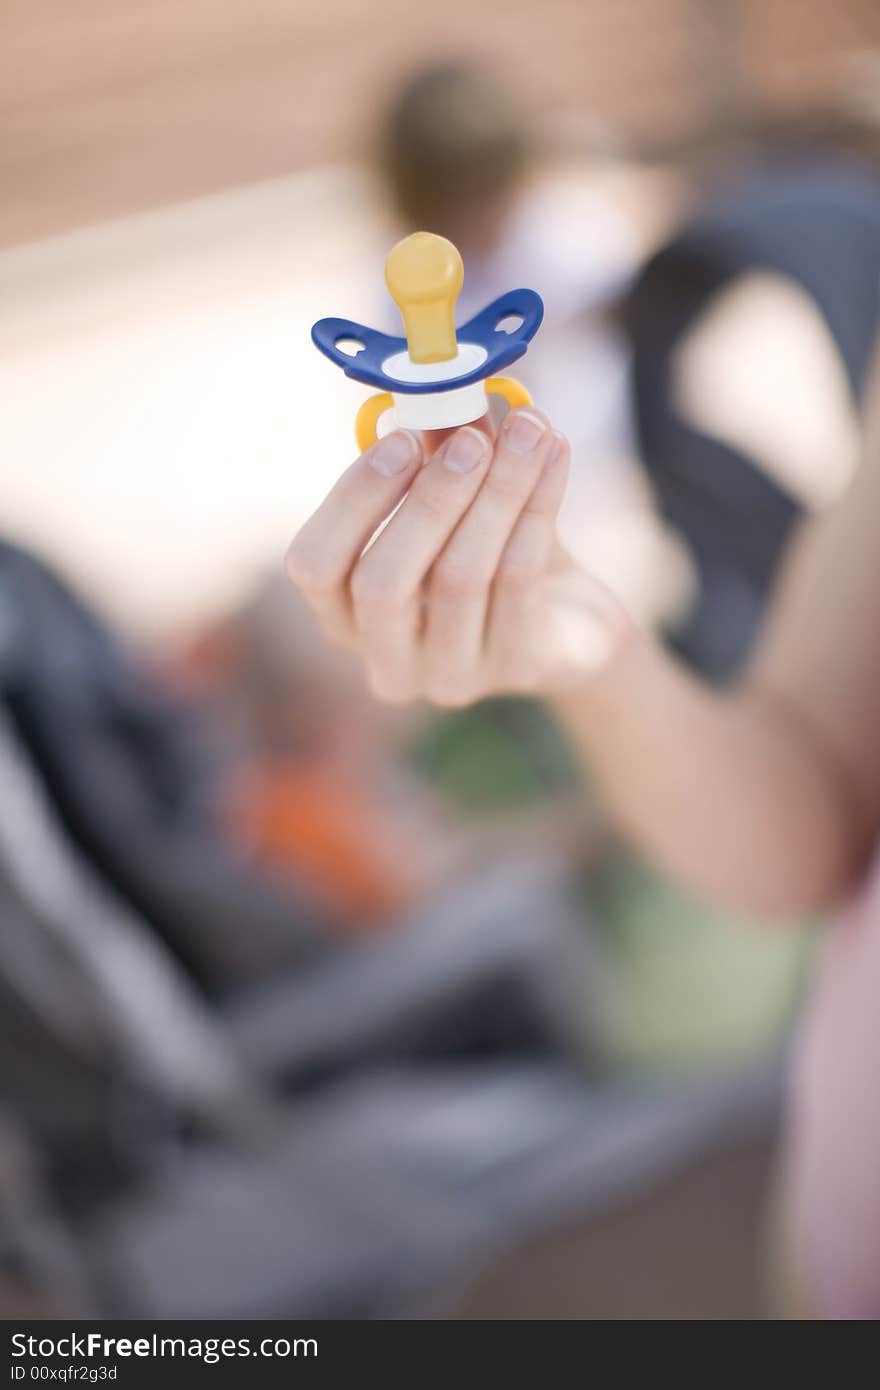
column 373, row 349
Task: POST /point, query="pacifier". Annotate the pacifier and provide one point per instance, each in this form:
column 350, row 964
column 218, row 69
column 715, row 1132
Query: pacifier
column 436, row 377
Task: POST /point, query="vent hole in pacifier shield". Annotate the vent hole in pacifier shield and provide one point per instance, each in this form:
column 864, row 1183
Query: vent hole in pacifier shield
column 350, row 346
column 509, row 323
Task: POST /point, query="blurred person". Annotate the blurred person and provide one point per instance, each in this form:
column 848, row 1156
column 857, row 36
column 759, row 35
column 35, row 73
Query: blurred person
column 460, row 155
column 377, row 807
column 764, row 797
column 318, row 787
column 751, row 332
column 736, row 283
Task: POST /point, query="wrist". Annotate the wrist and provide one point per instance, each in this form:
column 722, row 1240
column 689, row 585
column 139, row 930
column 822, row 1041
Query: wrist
column 604, row 692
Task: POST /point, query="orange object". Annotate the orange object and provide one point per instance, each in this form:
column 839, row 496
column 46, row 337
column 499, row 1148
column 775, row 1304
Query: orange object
column 314, row 824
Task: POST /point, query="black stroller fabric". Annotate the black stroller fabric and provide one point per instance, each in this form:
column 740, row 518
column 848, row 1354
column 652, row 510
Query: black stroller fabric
column 125, row 776
column 129, row 772
column 155, row 1163
column 816, row 222
column 159, row 1004
column 118, row 1066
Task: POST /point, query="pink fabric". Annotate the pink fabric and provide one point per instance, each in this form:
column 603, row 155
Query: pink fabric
column 835, row 1118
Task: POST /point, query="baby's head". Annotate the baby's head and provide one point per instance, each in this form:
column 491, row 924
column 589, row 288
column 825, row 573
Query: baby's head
column 455, row 148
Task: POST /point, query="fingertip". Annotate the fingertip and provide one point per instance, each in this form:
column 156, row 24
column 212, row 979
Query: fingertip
column 530, row 409
column 467, row 448
column 395, row 453
column 560, row 450
column 530, row 412
column 525, row 431
column 550, row 489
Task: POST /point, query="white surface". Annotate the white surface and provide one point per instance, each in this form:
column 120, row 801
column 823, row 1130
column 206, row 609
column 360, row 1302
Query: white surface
column 441, row 409
column 760, row 371
column 401, row 367
column 165, row 421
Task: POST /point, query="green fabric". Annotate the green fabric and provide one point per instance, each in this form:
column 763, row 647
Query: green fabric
column 686, row 985
column 689, row 984
column 499, row 755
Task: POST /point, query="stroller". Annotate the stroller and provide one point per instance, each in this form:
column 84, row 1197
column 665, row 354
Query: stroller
column 208, row 1110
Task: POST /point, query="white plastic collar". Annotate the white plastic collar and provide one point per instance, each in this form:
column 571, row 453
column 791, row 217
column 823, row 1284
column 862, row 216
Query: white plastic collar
column 436, row 410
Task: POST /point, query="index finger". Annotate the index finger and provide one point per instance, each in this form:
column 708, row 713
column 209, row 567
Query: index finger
column 326, row 548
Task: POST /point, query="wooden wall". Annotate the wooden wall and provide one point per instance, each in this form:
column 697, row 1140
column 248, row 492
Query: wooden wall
column 111, row 105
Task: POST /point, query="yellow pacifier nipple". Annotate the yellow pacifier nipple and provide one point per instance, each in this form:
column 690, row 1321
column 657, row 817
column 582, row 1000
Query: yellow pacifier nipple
column 424, row 275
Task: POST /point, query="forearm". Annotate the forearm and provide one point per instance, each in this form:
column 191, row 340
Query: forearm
column 735, row 795
column 765, row 798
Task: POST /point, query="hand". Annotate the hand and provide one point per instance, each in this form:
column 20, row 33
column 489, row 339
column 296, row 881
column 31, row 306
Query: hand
column 466, row 592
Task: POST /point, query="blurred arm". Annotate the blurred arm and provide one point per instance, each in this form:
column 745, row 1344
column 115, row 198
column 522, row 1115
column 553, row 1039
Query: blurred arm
column 766, row 797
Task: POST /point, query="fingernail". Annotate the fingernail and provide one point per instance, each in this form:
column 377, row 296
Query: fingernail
column 556, row 447
column 464, row 450
column 395, row 453
column 523, row 432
